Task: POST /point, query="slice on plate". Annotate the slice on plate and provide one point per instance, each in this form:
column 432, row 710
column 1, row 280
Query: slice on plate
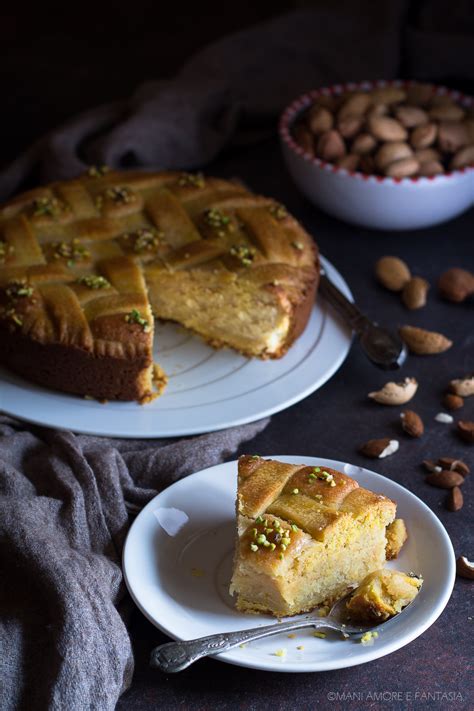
column 305, row 535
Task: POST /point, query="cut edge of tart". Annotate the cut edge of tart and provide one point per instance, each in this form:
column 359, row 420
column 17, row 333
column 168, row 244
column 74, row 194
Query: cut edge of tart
column 305, row 536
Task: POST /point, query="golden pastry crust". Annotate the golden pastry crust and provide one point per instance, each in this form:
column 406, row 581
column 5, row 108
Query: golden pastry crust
column 305, row 534
column 84, row 262
column 383, row 594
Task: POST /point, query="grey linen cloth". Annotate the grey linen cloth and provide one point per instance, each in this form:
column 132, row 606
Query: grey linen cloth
column 64, row 515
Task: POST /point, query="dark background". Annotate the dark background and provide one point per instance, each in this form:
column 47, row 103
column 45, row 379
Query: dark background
column 59, row 59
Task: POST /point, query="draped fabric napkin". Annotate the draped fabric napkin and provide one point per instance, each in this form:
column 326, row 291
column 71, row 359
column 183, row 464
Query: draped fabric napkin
column 64, row 514
column 64, row 498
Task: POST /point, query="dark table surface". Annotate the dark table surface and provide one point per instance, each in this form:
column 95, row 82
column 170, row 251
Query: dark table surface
column 333, row 422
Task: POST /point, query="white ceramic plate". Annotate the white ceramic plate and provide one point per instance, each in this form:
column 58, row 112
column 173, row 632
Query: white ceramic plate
column 208, row 390
column 180, row 581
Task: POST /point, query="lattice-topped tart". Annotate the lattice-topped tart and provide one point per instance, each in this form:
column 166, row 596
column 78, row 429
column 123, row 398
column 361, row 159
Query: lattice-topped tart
column 305, row 535
column 86, row 265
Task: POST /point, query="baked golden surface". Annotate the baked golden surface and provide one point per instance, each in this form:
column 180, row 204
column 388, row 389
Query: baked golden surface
column 86, row 264
column 305, row 535
column 383, row 594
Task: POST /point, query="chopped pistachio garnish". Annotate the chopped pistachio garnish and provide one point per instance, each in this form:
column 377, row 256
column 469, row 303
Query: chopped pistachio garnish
column 92, row 281
column 280, row 653
column 18, row 289
column 286, row 541
column 294, row 527
column 281, row 556
column 245, row 254
column 5, row 250
column 12, row 316
column 72, row 251
column 278, row 211
column 259, row 519
column 300, row 647
column 119, row 194
column 321, row 635
column 145, row 239
column 324, row 476
column 242, row 646
column 255, row 456
column 368, row 637
column 49, row 206
column 97, row 171
column 219, row 221
column 295, row 491
column 261, row 538
column 298, row 245
column 272, row 546
column 283, row 546
column 253, row 547
column 312, row 476
column 135, row 317
column 195, row 180
column 266, row 544
column 254, row 532
column 291, row 636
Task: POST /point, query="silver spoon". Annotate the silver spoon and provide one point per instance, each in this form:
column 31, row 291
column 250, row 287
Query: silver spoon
column 383, row 347
column 176, row 656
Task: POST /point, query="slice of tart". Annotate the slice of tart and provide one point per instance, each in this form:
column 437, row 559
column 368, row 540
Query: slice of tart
column 305, row 535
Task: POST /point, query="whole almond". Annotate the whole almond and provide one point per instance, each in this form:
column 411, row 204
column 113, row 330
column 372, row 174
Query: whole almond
column 463, row 386
column 350, row 125
column 423, row 136
column 444, row 479
column 390, row 152
column 385, row 128
column 412, row 423
column 356, row 104
column 431, row 167
column 455, row 499
column 304, row 138
column 452, row 135
column 456, row 284
column 424, row 342
column 320, row 119
column 330, row 146
column 463, row 158
column 414, row 293
column 465, row 568
column 379, row 448
column 411, row 116
column 466, row 430
column 454, row 465
column 425, row 155
column 431, row 466
column 388, row 95
column 403, row 168
column 450, row 112
column 349, row 162
column 392, row 273
column 452, row 402
column 363, row 143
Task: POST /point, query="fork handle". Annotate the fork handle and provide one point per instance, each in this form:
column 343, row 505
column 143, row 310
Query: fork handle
column 176, row 656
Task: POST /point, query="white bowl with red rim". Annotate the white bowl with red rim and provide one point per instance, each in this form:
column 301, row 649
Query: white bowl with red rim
column 372, row 200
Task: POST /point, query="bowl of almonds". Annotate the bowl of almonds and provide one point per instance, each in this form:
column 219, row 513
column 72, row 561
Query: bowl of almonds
column 387, row 155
